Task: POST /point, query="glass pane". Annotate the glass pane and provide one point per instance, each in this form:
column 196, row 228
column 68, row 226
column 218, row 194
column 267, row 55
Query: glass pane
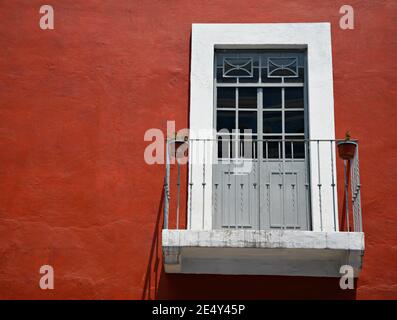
column 226, row 97
column 298, row 147
column 294, row 98
column 221, row 79
column 272, row 147
column 300, row 78
column 294, row 122
column 247, row 98
column 283, row 73
column 272, row 122
column 226, row 121
column 253, row 79
column 247, row 120
column 271, row 98
column 265, row 79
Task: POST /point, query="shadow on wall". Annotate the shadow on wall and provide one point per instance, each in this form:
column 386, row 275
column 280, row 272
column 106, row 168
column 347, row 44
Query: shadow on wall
column 160, row 285
column 155, row 263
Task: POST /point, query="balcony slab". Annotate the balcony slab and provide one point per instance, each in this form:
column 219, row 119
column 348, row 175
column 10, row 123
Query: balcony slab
column 253, row 252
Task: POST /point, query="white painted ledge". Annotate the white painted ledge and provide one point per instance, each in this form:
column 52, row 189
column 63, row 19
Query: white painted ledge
column 280, row 252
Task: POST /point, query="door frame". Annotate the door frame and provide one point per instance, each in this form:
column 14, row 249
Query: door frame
column 316, row 37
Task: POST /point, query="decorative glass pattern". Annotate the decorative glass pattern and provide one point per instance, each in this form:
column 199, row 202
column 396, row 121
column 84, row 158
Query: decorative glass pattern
column 282, row 67
column 237, row 67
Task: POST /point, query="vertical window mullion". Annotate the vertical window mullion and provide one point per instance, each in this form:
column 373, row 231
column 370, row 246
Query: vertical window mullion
column 260, row 69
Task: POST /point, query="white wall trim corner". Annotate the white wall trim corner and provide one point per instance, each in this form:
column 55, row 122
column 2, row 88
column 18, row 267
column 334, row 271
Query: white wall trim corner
column 316, row 37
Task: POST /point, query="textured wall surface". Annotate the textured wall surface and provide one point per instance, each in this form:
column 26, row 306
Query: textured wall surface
column 75, row 103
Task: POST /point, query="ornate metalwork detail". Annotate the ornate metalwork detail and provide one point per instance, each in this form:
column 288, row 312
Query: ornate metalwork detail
column 282, row 67
column 238, row 68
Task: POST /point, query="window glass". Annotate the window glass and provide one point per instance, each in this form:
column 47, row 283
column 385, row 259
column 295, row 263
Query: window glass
column 294, row 98
column 247, row 98
column 271, row 98
column 269, row 80
column 294, row 122
column 272, row 122
column 300, row 78
column 247, row 120
column 221, row 79
column 253, row 79
column 226, row 120
column 226, row 97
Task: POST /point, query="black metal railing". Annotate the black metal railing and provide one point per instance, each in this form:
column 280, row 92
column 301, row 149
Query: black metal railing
column 193, row 159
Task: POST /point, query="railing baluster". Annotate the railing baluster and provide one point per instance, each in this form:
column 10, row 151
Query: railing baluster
column 255, row 162
column 333, row 184
column 281, row 185
column 307, row 198
column 229, row 182
column 166, row 185
column 178, row 184
column 235, row 182
column 267, row 182
column 191, row 155
column 319, row 184
column 346, row 194
column 355, row 189
column 203, row 183
column 358, row 197
column 241, row 215
column 293, row 190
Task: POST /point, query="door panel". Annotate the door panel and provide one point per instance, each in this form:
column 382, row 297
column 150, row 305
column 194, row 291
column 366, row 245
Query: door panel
column 236, row 194
column 283, row 204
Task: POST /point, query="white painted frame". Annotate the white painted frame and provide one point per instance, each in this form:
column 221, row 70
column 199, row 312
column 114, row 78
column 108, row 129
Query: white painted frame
column 316, row 38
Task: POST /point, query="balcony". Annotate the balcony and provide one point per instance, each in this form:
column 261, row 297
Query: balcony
column 262, row 207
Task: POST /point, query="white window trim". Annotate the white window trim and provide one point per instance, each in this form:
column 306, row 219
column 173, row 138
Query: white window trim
column 316, row 38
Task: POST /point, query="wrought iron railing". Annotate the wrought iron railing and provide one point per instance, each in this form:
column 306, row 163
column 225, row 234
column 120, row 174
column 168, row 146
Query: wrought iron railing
column 190, row 169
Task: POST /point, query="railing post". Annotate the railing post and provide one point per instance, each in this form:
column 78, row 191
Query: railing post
column 319, row 184
column 355, row 190
column 166, row 185
column 203, row 183
column 307, row 179
column 333, row 183
column 345, row 164
column 293, row 186
column 178, row 184
column 191, row 154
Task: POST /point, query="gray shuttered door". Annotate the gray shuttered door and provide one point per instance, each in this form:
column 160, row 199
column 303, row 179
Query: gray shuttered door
column 260, row 180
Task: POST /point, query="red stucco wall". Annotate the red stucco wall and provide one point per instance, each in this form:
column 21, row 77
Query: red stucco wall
column 75, row 102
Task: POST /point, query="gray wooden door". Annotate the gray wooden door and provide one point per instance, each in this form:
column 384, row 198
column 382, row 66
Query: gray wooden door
column 260, row 180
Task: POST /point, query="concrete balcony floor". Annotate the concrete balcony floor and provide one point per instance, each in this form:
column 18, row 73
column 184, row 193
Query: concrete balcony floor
column 253, row 252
